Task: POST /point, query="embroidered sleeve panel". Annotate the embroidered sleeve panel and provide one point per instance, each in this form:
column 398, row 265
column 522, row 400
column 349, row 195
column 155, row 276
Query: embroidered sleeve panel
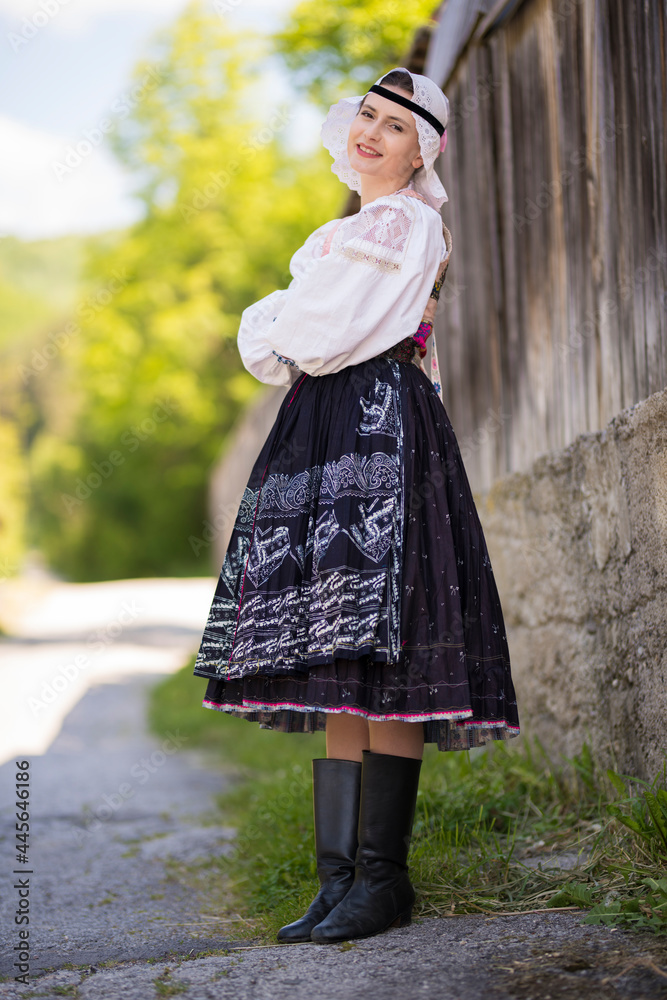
column 378, row 235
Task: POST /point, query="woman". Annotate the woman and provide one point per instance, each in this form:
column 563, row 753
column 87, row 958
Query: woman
column 357, row 594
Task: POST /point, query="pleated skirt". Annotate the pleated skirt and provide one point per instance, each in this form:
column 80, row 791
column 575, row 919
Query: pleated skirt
column 357, row 577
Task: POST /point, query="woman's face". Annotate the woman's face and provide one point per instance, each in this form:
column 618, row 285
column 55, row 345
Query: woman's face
column 383, row 140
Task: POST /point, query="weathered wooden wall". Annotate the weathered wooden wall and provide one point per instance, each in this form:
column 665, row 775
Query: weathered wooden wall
column 554, row 315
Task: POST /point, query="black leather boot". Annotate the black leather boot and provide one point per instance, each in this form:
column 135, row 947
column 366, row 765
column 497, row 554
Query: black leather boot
column 382, row 894
column 336, row 787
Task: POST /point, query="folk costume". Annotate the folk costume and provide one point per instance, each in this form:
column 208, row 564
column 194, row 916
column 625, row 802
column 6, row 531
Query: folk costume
column 357, row 578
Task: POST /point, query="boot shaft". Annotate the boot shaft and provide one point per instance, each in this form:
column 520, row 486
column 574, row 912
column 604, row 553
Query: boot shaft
column 336, row 794
column 387, row 806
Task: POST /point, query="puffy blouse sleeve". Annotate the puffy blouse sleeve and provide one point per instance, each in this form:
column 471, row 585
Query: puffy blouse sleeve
column 360, row 285
column 257, row 321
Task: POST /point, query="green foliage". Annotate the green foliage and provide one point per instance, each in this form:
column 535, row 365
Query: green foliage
column 166, row 987
column 641, row 901
column 645, row 814
column 12, row 500
column 38, row 284
column 572, row 894
column 37, row 281
column 152, row 381
column 124, row 394
column 645, row 912
column 176, row 706
column 480, row 818
column 348, row 45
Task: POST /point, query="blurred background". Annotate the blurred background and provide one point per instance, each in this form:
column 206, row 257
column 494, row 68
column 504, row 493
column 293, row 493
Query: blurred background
column 161, row 163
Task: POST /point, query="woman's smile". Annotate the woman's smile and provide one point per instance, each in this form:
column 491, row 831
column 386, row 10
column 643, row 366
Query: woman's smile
column 366, row 150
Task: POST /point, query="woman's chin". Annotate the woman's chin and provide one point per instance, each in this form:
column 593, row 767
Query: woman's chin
column 366, row 165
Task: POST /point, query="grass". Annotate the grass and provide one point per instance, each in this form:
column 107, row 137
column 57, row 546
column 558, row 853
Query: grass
column 484, row 821
column 165, row 987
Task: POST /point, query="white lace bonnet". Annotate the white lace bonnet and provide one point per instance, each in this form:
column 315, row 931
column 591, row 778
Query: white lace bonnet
column 428, row 96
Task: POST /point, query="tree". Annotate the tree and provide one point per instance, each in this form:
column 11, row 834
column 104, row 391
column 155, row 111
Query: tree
column 343, row 47
column 154, row 378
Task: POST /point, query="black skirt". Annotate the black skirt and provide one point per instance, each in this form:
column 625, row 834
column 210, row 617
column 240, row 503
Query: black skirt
column 357, row 578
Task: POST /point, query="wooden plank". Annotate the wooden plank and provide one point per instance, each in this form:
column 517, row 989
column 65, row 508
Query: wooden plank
column 646, row 276
column 493, row 421
column 590, row 322
column 577, row 228
column 659, row 252
column 660, row 124
column 486, row 316
column 633, row 20
column 506, row 258
column 522, row 447
column 623, row 197
column 610, row 393
column 554, row 295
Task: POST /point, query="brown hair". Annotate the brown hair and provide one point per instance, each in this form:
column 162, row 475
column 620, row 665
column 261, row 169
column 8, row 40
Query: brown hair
column 396, row 78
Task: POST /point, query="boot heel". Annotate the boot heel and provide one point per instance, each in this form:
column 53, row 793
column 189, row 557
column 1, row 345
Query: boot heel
column 403, row 919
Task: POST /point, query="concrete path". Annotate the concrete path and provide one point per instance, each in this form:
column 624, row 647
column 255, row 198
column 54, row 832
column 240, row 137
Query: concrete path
column 64, row 637
column 115, row 812
column 110, row 807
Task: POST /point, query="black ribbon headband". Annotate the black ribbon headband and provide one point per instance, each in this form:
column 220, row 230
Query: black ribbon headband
column 418, row 110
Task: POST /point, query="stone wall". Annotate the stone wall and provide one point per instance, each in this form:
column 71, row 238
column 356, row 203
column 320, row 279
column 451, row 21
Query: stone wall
column 579, row 550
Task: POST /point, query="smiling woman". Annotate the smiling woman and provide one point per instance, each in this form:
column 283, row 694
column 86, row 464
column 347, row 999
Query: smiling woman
column 357, row 594
column 388, row 142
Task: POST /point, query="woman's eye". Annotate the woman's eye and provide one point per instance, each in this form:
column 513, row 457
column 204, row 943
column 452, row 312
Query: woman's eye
column 368, row 114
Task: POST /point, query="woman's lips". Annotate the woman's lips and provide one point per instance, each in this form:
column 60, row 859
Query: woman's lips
column 371, row 156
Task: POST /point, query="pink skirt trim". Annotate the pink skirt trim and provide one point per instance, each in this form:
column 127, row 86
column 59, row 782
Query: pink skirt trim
column 461, row 718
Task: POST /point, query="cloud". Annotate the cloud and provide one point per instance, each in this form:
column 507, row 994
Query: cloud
column 35, row 204
column 23, row 8
column 89, row 8
column 67, row 16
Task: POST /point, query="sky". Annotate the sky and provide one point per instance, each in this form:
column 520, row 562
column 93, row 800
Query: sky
column 63, row 64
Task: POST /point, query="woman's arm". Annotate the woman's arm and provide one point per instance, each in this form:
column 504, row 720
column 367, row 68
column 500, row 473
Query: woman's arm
column 367, row 293
column 257, row 354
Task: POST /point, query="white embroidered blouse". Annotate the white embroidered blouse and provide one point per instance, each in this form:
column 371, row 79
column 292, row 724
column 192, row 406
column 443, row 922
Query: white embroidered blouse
column 359, row 286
